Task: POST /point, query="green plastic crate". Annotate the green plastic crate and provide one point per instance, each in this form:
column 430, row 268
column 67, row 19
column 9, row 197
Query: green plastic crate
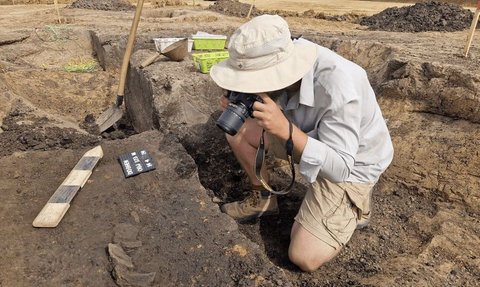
column 209, row 43
column 204, row 61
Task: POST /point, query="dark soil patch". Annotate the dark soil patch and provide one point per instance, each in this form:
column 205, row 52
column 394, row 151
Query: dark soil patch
column 120, row 130
column 472, row 3
column 22, row 132
column 218, row 169
column 108, row 5
column 428, row 16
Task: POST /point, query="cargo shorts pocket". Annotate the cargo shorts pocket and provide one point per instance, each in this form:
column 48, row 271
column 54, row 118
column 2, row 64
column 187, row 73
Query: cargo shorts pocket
column 341, row 224
column 327, row 200
column 327, row 213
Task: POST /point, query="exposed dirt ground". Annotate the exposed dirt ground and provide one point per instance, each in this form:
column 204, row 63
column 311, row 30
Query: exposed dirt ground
column 425, row 228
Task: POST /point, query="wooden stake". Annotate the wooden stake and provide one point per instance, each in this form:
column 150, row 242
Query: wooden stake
column 58, row 204
column 58, row 11
column 472, row 28
column 250, row 11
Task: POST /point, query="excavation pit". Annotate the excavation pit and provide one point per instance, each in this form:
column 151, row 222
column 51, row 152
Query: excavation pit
column 423, row 102
column 424, row 229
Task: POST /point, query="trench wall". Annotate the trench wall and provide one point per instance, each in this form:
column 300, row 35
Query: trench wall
column 432, row 110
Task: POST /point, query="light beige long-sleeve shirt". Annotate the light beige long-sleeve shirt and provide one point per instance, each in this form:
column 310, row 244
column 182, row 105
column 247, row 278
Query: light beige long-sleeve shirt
column 336, row 107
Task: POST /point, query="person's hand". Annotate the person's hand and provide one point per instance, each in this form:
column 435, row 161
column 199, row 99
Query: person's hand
column 224, row 101
column 270, row 117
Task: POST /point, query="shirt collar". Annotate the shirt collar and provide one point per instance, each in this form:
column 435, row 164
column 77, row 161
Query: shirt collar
column 305, row 96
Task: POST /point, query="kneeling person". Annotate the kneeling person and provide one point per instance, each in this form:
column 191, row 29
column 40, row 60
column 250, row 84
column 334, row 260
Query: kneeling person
column 341, row 142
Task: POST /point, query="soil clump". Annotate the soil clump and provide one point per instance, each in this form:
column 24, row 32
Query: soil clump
column 107, row 5
column 25, row 132
column 421, row 17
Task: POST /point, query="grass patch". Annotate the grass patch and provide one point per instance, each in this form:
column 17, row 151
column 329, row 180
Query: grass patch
column 58, row 32
column 81, row 66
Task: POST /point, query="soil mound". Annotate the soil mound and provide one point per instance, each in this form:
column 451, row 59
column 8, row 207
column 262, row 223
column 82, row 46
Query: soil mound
column 427, row 16
column 107, row 5
column 234, row 8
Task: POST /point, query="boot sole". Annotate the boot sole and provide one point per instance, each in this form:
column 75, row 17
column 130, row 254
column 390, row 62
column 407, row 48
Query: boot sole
column 267, row 213
column 362, row 225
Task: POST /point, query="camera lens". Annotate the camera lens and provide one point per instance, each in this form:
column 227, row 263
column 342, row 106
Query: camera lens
column 232, row 119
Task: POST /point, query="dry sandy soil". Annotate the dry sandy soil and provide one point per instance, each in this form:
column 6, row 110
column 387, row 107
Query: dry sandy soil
column 425, row 229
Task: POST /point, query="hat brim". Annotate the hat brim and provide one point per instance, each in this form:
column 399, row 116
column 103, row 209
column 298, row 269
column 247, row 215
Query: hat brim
column 269, row 79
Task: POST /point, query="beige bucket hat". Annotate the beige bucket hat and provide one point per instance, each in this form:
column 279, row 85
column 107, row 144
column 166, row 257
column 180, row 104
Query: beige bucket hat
column 263, row 57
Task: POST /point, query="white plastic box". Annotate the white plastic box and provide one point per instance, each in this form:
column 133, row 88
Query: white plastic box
column 162, row 43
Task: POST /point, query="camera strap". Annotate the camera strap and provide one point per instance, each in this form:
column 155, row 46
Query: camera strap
column 260, row 158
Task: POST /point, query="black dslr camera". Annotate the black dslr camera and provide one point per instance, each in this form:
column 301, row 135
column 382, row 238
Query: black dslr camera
column 237, row 111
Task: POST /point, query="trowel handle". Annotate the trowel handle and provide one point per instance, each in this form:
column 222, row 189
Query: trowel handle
column 128, row 51
column 150, row 60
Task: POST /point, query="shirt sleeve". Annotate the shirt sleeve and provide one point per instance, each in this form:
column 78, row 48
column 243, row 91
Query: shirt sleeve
column 332, row 146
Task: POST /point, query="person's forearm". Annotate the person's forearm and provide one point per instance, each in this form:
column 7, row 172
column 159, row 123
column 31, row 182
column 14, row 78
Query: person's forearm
column 299, row 141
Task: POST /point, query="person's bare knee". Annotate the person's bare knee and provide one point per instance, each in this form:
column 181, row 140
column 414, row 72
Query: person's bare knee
column 305, row 260
column 244, row 146
column 300, row 261
column 236, row 140
column 249, row 134
column 307, row 251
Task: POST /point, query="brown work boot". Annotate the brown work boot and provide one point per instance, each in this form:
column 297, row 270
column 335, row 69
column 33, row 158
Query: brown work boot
column 363, row 221
column 258, row 203
column 366, row 214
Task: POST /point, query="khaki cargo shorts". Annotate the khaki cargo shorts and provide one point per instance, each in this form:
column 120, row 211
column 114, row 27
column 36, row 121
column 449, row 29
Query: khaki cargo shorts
column 330, row 211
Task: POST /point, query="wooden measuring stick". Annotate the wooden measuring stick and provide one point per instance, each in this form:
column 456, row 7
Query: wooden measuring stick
column 55, row 2
column 472, row 28
column 250, row 11
column 58, row 204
